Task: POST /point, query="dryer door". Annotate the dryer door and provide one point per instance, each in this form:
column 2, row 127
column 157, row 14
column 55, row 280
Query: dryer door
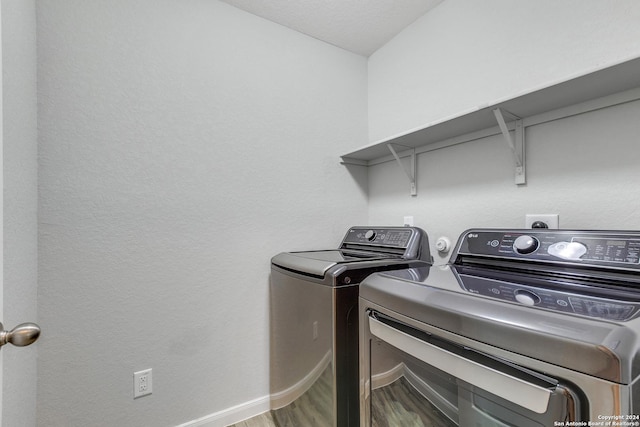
column 419, row 379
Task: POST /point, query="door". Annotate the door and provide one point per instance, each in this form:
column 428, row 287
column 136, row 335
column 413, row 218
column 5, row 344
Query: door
column 18, row 206
column 1, row 213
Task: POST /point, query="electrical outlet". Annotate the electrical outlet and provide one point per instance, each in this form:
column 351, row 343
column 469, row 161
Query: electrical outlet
column 552, row 220
column 142, row 383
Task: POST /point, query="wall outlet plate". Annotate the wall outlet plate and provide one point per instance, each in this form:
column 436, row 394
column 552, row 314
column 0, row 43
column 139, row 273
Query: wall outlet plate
column 142, row 383
column 552, row 220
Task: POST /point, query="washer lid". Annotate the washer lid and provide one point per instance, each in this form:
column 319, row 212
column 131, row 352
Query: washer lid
column 318, row 262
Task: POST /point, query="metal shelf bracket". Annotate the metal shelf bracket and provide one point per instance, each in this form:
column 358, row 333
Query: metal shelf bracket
column 517, row 144
column 410, row 174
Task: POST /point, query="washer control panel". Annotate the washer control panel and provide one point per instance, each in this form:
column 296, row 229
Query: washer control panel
column 395, row 237
column 619, row 249
column 405, row 242
column 601, row 308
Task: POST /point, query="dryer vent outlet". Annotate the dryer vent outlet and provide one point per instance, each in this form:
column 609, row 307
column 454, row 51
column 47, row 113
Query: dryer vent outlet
column 540, row 220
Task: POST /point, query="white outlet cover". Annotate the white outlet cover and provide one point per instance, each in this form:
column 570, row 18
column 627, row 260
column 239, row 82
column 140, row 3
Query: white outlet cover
column 142, row 383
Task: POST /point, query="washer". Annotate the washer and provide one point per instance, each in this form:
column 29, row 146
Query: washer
column 314, row 321
column 520, row 328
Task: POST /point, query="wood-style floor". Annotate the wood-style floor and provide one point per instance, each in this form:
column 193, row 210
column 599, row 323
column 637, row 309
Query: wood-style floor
column 312, row 409
column 262, row 420
column 400, row 405
column 395, row 405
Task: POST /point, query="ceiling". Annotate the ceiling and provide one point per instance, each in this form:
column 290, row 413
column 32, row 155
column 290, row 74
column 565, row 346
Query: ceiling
column 359, row 26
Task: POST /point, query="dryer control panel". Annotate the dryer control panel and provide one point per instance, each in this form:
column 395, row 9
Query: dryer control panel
column 587, row 273
column 603, row 248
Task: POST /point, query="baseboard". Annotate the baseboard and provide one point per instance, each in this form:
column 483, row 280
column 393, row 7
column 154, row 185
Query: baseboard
column 285, row 397
column 385, row 378
column 232, row 415
column 261, row 405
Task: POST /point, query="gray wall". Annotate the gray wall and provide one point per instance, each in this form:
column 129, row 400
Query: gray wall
column 466, row 54
column 181, row 145
column 20, row 173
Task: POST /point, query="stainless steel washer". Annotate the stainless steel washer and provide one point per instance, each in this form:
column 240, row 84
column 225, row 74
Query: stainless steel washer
column 314, row 322
column 521, row 328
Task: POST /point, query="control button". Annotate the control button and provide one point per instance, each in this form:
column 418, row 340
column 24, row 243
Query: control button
column 527, row 297
column 562, row 303
column 525, row 244
column 370, row 235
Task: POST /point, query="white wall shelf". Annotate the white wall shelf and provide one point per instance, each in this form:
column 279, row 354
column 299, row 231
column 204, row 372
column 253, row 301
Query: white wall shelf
column 601, row 88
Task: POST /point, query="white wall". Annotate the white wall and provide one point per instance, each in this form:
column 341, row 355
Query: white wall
column 20, row 173
column 184, row 143
column 181, row 145
column 465, row 54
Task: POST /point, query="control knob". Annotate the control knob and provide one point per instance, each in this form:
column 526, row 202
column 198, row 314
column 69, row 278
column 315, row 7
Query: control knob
column 370, row 235
column 525, row 244
column 526, row 297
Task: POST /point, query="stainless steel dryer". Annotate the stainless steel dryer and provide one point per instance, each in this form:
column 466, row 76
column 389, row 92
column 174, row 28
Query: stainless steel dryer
column 522, row 328
column 314, row 322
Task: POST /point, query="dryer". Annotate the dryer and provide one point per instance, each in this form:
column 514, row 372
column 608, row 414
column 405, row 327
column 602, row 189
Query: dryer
column 521, row 328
